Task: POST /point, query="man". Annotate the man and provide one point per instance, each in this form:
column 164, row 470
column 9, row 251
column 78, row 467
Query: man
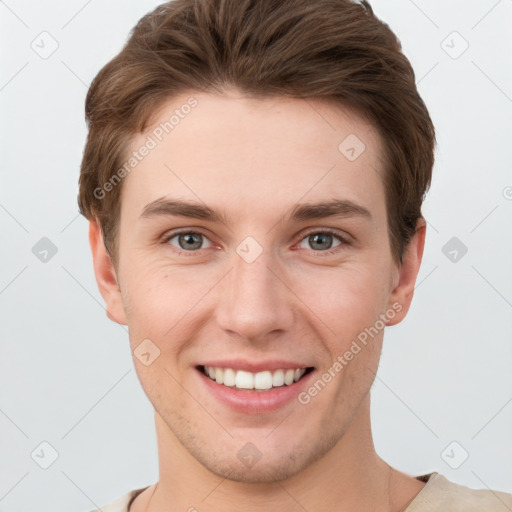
column 253, row 177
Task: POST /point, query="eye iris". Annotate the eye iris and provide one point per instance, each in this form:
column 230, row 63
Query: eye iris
column 319, row 238
column 186, row 240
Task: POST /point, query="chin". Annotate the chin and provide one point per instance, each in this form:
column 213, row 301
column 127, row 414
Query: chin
column 274, row 462
column 262, row 472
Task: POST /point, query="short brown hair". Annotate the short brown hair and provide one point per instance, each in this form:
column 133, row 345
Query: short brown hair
column 337, row 50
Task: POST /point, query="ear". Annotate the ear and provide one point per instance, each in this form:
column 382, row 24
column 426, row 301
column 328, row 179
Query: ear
column 407, row 272
column 106, row 275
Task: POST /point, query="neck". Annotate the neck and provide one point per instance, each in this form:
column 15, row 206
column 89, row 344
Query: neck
column 350, row 477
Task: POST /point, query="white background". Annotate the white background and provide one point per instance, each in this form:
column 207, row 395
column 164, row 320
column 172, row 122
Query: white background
column 66, row 373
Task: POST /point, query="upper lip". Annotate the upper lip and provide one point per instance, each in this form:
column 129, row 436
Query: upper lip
column 255, row 366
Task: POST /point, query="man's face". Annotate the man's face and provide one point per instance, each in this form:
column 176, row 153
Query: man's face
column 261, row 290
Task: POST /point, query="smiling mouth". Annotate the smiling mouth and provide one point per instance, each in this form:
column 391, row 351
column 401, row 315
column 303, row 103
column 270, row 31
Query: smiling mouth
column 249, row 381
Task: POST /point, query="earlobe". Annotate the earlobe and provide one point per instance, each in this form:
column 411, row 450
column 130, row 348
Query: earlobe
column 105, row 275
column 401, row 296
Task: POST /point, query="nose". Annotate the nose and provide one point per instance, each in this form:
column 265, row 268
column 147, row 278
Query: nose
column 254, row 301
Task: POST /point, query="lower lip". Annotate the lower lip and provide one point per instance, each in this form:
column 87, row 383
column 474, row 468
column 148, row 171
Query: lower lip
column 252, row 401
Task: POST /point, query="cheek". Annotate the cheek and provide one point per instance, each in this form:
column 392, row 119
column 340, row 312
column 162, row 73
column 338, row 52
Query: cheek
column 163, row 306
column 345, row 298
column 147, row 285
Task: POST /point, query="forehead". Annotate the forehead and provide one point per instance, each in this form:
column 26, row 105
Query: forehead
column 223, row 147
column 217, row 115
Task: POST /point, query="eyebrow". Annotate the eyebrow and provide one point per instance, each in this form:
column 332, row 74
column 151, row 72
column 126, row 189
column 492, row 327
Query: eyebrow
column 301, row 212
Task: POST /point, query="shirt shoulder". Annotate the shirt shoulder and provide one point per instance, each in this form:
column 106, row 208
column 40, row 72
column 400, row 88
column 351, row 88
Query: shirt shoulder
column 439, row 494
column 123, row 503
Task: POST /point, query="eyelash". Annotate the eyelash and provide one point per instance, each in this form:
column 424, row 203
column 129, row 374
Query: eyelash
column 344, row 241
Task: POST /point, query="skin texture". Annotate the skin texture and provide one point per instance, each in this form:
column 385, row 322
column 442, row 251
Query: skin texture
column 254, row 160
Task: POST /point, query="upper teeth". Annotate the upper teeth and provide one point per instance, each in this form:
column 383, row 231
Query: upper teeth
column 248, row 380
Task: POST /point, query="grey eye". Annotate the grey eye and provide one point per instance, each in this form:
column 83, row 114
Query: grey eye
column 320, row 241
column 188, row 241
